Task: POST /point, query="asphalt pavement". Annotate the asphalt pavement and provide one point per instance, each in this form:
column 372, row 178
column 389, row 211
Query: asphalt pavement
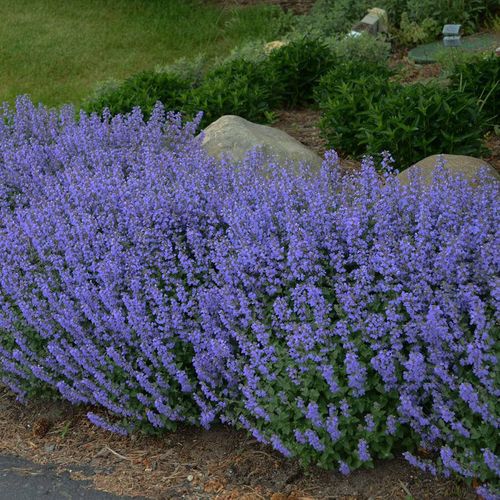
column 24, row 480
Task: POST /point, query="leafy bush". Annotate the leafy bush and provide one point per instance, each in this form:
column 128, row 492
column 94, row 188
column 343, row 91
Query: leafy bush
column 338, row 319
column 191, row 70
column 343, row 104
column 248, row 87
column 451, row 57
column 343, row 95
column 239, row 87
column 364, row 48
column 366, row 115
column 412, row 33
column 299, row 66
column 254, row 87
column 479, row 78
column 143, row 89
column 418, row 120
column 253, row 51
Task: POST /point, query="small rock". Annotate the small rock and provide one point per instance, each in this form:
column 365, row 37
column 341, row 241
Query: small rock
column 190, row 478
column 49, row 448
column 236, row 136
column 467, row 166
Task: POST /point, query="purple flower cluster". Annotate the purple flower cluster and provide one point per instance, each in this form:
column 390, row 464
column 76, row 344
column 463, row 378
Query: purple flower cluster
column 332, row 317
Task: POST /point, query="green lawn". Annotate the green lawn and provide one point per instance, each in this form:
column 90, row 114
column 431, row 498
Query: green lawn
column 57, row 50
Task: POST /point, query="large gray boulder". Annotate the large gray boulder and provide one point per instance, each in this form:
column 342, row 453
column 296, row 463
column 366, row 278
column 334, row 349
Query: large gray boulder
column 467, row 166
column 235, row 136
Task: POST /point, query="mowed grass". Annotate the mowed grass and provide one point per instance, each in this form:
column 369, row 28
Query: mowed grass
column 58, row 50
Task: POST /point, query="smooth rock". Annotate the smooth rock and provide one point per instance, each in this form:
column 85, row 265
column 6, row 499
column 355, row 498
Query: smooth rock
column 467, row 166
column 236, row 136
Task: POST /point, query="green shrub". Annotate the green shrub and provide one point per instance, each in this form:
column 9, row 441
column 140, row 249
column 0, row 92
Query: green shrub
column 364, row 48
column 451, row 57
column 253, row 87
column 240, row 87
column 479, row 78
column 248, row 87
column 367, row 114
column 192, row 70
column 144, row 90
column 343, row 95
column 415, row 121
column 412, row 33
column 422, row 20
column 299, row 67
column 252, row 51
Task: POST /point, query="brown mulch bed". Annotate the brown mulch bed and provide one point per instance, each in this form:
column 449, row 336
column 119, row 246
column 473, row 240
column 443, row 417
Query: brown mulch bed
column 302, row 124
column 191, row 463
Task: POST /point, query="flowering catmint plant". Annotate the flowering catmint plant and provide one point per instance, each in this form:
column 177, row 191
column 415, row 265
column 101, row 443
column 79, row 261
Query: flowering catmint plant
column 337, row 319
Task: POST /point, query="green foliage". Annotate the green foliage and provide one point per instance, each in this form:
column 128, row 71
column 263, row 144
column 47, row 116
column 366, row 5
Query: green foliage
column 343, row 95
column 364, row 48
column 240, row 87
column 247, row 87
column 415, row 121
column 144, row 90
column 479, row 78
column 299, row 67
column 451, row 57
column 469, row 13
column 412, row 33
column 189, row 69
column 331, row 17
column 412, row 21
column 252, row 88
column 367, row 114
column 252, row 51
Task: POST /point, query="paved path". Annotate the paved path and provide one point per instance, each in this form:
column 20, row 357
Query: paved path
column 23, row 480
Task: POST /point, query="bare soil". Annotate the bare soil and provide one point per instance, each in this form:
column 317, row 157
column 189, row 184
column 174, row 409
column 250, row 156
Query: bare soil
column 192, row 463
column 302, row 124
